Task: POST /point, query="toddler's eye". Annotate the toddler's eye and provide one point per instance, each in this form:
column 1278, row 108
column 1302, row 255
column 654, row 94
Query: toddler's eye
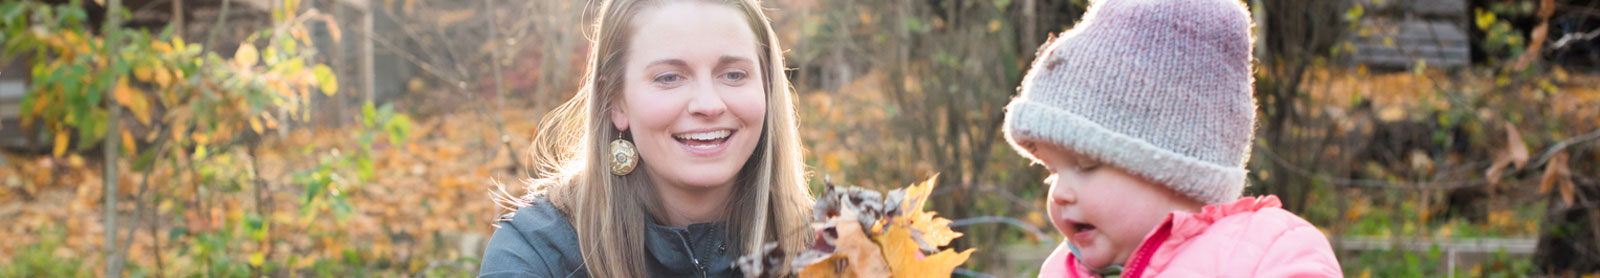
column 1090, row 167
column 1085, row 164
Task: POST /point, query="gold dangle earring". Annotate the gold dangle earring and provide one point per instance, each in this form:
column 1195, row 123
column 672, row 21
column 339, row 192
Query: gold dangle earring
column 623, row 156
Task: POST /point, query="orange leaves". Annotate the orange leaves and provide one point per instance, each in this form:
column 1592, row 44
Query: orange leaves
column 869, row 234
column 133, row 99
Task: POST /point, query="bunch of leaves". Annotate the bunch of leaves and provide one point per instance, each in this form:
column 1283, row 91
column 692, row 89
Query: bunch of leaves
column 865, row 233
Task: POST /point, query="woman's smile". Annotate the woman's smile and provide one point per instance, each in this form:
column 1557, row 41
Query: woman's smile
column 704, row 142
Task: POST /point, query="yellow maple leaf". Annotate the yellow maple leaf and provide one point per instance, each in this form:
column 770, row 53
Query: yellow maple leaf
column 935, row 230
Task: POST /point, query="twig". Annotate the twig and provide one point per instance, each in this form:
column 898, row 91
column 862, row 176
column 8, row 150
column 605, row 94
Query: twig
column 971, row 273
column 449, row 77
column 1041, row 235
column 1266, row 151
column 1025, row 204
column 222, row 19
column 1544, row 158
column 141, row 207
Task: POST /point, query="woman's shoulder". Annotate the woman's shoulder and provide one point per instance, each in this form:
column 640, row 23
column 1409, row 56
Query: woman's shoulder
column 539, row 216
column 536, row 240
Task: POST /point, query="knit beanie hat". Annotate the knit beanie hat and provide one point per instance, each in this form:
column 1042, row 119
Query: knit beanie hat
column 1159, row 88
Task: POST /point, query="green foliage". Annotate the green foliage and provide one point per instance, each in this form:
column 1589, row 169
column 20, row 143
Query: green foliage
column 1500, row 39
column 197, row 107
column 1432, row 263
column 39, row 259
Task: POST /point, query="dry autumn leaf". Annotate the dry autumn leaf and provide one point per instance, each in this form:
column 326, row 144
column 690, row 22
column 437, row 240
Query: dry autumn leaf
column 1515, row 154
column 1556, row 176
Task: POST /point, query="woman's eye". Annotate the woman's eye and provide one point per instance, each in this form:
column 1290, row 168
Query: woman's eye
column 668, row 78
column 735, row 76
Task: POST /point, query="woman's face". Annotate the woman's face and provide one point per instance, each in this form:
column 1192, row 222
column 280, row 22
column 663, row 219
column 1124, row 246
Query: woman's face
column 693, row 96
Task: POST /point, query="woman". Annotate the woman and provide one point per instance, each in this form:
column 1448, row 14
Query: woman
column 679, row 155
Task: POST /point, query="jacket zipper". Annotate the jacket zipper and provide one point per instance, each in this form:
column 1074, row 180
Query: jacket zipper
column 1142, row 256
column 698, row 267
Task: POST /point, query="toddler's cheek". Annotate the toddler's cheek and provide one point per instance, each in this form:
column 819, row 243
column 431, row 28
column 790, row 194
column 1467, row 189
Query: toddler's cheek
column 1054, row 212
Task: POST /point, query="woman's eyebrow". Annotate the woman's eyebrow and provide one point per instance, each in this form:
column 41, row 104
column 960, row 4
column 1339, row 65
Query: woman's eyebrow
column 727, row 60
column 669, row 62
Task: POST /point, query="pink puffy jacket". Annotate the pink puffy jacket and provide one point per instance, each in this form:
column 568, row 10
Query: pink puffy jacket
column 1252, row 237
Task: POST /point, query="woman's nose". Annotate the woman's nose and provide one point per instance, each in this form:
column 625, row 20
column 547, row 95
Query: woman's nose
column 707, row 102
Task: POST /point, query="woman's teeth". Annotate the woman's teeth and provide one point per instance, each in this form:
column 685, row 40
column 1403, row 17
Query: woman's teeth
column 704, row 140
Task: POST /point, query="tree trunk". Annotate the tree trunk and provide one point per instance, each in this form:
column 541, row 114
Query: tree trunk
column 113, row 36
column 367, row 81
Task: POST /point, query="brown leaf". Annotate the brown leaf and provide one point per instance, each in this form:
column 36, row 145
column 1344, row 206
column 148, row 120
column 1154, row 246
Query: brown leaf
column 1517, row 150
column 1515, row 154
column 866, row 259
column 1555, row 173
column 1540, row 32
column 1493, row 174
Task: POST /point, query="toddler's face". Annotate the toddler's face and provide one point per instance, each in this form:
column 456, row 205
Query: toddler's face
column 1104, row 211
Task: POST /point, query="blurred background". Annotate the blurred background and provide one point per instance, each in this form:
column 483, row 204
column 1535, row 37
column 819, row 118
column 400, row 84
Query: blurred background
column 289, row 138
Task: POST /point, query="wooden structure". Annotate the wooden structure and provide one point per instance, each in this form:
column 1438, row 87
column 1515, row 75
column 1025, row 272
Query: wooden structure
column 1406, row 33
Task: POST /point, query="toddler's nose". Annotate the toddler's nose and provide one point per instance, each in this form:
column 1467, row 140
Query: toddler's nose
column 1061, row 194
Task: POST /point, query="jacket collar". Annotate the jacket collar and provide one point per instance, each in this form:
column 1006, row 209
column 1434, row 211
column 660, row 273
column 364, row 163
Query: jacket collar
column 1155, row 251
column 688, row 252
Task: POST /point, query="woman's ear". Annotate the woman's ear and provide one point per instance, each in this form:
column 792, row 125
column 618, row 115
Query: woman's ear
column 619, row 118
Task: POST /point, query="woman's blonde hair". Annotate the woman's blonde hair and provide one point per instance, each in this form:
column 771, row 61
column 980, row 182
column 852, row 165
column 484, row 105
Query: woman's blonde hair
column 612, row 213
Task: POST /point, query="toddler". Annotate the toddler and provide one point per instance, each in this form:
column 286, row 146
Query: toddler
column 1143, row 115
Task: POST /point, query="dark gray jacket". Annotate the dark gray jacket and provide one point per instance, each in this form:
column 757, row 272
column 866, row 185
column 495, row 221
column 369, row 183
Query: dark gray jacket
column 539, row 241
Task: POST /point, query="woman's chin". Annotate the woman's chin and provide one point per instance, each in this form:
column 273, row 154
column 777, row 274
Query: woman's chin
column 705, row 178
